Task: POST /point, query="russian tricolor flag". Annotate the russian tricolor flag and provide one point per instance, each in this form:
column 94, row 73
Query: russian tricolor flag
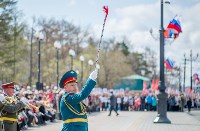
column 169, row 64
column 196, row 76
column 175, row 25
column 168, row 33
column 173, row 29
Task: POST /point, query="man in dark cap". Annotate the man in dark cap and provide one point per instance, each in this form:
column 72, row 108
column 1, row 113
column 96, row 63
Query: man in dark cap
column 72, row 109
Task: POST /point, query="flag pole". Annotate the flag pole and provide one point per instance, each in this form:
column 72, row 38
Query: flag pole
column 105, row 9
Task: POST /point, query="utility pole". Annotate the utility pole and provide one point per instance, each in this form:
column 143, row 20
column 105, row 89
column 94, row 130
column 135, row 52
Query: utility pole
column 184, row 73
column 179, row 78
column 191, row 59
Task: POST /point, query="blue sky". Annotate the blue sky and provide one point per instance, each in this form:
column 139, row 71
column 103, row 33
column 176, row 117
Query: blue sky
column 127, row 18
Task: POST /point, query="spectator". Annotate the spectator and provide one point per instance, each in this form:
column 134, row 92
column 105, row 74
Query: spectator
column 154, row 103
column 189, row 104
column 149, row 102
column 113, row 103
column 182, row 102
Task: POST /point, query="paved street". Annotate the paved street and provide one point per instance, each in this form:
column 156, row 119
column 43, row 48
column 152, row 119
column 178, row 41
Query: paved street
column 195, row 114
column 135, row 121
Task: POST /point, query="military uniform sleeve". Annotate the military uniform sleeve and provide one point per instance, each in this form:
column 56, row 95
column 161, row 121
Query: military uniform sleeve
column 14, row 108
column 1, row 105
column 77, row 98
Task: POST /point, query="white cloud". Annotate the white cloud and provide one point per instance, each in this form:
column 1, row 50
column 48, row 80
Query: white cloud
column 72, row 2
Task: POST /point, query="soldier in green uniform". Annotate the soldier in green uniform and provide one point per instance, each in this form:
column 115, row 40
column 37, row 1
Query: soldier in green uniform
column 2, row 98
column 72, row 109
column 10, row 110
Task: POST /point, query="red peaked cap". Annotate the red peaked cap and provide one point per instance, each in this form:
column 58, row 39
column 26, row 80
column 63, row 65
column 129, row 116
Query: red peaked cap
column 8, row 85
column 69, row 76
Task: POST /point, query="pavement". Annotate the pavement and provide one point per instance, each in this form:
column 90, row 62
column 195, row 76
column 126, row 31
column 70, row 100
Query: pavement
column 135, row 121
column 195, row 114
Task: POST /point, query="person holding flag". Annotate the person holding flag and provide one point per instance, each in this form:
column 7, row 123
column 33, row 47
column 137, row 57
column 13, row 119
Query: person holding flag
column 72, row 109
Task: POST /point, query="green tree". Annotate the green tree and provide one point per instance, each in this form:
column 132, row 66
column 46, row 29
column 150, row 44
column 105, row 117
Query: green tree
column 7, row 13
column 122, row 46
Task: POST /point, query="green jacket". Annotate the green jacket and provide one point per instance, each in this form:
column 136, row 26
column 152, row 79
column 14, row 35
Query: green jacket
column 73, row 110
column 10, row 115
column 1, row 121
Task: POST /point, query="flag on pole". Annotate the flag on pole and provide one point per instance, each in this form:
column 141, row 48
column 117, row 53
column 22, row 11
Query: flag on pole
column 156, row 85
column 169, row 64
column 196, row 76
column 153, row 85
column 190, row 91
column 173, row 29
column 105, row 9
column 144, row 91
column 175, row 25
column 168, row 33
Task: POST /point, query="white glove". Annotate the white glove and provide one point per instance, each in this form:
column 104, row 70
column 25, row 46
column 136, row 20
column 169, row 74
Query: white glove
column 93, row 75
column 2, row 97
column 24, row 100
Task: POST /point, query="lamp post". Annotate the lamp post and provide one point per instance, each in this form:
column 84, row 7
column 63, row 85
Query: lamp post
column 90, row 62
column 72, row 54
column 57, row 45
column 82, row 60
column 31, row 57
column 162, row 96
column 39, row 39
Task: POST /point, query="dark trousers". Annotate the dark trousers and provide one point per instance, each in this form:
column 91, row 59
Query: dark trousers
column 153, row 108
column 10, row 126
column 148, row 106
column 142, row 107
column 40, row 120
column 189, row 109
column 113, row 108
column 30, row 119
column 21, row 125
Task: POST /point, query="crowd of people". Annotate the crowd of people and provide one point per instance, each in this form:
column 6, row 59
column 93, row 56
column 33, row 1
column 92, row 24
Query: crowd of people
column 41, row 110
column 138, row 101
column 43, row 103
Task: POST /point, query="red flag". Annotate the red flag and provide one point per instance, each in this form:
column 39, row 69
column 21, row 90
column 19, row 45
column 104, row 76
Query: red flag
column 105, row 9
column 144, row 91
column 190, row 91
column 156, row 85
column 152, row 85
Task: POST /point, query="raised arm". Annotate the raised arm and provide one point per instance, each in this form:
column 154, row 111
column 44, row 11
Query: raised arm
column 76, row 98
